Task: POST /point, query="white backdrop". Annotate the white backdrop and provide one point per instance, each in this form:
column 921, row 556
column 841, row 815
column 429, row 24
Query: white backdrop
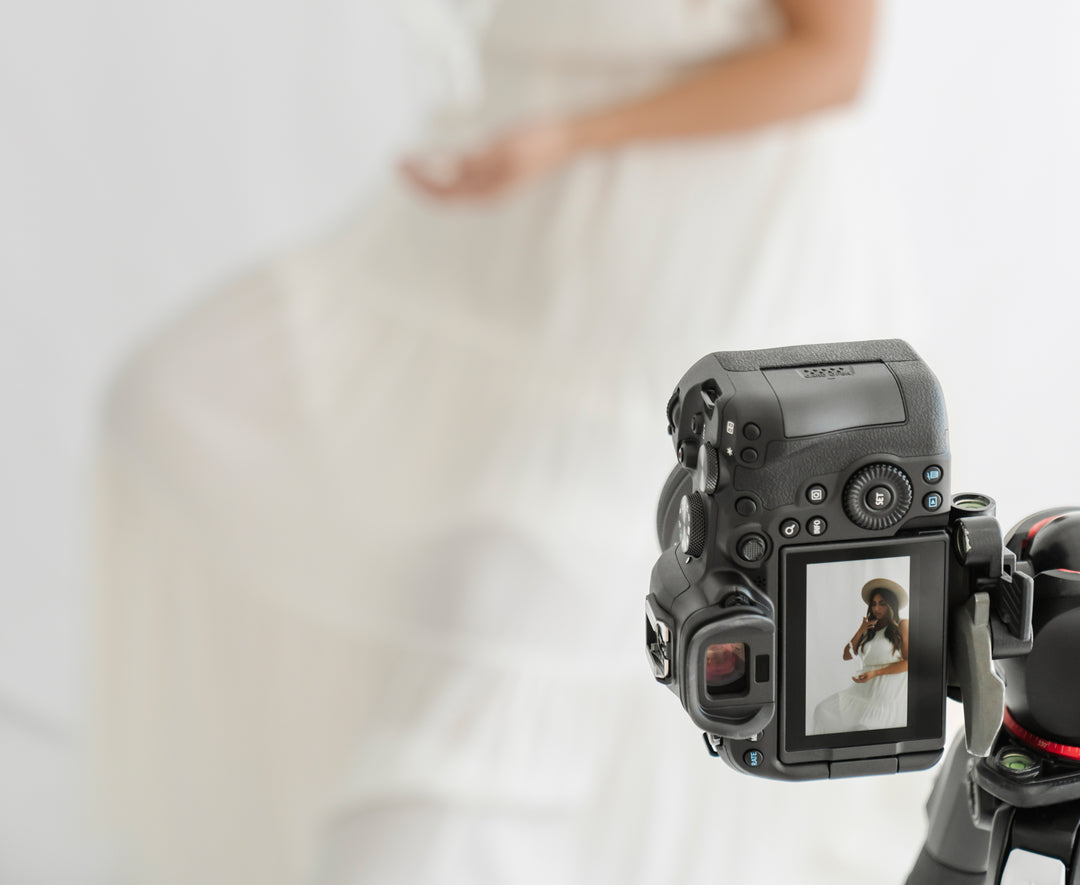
column 150, row 150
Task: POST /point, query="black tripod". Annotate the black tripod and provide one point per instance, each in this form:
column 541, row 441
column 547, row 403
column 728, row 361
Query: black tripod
column 1013, row 817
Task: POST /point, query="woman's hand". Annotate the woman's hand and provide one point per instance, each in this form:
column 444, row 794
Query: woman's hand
column 507, row 162
column 816, row 62
column 864, row 677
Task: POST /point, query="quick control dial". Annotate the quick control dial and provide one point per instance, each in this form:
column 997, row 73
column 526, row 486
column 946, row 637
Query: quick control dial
column 878, row 496
column 692, row 524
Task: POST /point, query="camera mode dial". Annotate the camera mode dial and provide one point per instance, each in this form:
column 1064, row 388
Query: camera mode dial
column 692, row 524
column 878, row 496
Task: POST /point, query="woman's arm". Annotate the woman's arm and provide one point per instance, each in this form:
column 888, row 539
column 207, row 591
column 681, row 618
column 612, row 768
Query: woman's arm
column 818, row 61
column 900, row 666
column 854, row 643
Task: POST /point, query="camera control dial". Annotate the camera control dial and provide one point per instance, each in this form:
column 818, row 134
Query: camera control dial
column 878, row 496
column 692, row 524
column 707, row 472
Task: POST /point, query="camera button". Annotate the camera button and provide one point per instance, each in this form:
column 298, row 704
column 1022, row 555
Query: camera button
column 933, row 501
column 790, row 528
column 816, row 526
column 878, row 498
column 816, row 494
column 751, row 431
column 861, row 495
column 932, row 474
column 746, row 506
column 752, row 548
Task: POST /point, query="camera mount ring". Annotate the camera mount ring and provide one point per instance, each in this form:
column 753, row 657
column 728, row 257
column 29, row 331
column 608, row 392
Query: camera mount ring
column 882, row 482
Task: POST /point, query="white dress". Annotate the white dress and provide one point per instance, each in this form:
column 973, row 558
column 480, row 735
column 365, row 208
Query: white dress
column 375, row 522
column 880, row 702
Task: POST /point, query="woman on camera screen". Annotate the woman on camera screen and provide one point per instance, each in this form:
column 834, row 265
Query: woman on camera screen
column 878, row 697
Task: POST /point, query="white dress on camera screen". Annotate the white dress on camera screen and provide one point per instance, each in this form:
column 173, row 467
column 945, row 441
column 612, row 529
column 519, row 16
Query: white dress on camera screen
column 376, row 521
column 880, row 702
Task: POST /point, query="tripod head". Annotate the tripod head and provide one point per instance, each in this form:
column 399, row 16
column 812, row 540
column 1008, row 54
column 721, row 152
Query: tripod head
column 1042, row 705
column 1013, row 816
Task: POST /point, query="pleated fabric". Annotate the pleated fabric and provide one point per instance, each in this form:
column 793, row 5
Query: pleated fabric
column 375, row 521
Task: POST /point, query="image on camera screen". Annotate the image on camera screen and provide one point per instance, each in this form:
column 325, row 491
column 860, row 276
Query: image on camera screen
column 857, row 645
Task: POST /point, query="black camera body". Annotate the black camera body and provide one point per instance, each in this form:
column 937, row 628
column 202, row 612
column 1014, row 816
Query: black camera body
column 812, row 492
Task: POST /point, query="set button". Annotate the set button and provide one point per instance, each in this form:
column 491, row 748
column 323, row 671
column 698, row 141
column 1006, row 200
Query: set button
column 879, row 498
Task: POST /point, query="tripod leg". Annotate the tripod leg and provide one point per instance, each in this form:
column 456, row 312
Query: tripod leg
column 955, row 851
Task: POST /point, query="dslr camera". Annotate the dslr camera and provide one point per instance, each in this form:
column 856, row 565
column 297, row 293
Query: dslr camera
column 820, row 592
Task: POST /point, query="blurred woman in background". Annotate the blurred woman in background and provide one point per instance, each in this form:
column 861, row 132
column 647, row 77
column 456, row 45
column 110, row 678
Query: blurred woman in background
column 376, row 520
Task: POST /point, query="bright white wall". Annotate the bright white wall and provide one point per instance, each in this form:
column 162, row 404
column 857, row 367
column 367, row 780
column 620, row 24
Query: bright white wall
column 150, row 149
column 147, row 150
column 978, row 108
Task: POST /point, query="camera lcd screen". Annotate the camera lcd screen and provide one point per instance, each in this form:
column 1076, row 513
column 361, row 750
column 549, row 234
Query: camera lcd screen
column 860, row 607
column 864, row 629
